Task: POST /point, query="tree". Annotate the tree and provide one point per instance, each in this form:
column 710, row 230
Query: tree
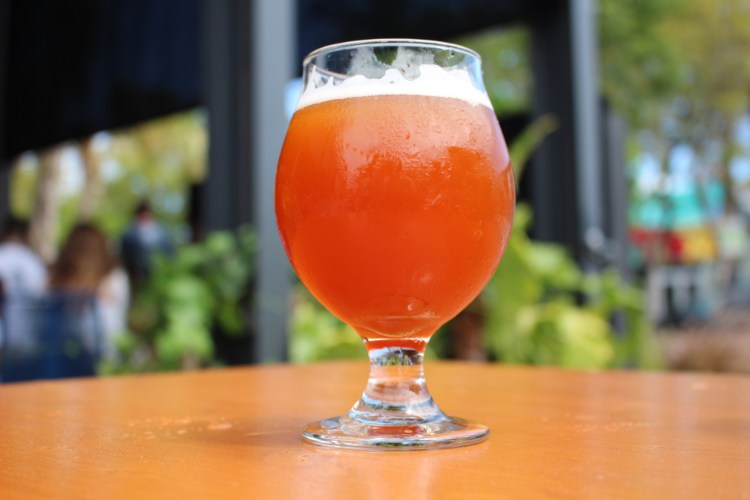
column 679, row 69
column 714, row 93
column 91, row 193
column 46, row 205
column 640, row 62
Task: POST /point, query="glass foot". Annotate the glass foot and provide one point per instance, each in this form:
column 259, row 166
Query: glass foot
column 396, row 411
column 346, row 432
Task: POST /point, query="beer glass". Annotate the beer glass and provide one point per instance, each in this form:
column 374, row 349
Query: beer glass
column 394, row 200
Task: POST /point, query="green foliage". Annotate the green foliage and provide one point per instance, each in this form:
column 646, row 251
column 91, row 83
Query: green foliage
column 317, row 335
column 157, row 160
column 506, row 65
column 189, row 295
column 679, row 69
column 525, row 144
column 533, row 316
column 640, row 63
column 714, row 39
column 23, row 183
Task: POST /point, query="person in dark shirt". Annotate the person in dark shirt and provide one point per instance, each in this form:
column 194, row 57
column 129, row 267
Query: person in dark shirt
column 141, row 241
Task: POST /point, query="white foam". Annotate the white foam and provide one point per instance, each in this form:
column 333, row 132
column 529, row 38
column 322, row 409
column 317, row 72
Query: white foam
column 433, row 81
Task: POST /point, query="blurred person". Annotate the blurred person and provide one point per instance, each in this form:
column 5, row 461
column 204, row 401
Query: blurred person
column 141, row 241
column 86, row 265
column 22, row 272
column 733, row 242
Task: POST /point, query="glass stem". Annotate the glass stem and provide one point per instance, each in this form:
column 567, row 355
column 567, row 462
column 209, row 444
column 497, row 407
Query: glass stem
column 396, row 392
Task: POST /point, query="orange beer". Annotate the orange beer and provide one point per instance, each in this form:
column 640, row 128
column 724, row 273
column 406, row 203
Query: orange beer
column 394, row 209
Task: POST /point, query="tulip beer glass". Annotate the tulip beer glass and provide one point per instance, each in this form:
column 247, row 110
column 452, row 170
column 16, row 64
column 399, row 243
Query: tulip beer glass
column 394, row 200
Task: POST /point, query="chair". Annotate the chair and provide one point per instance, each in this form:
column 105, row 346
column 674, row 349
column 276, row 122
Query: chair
column 56, row 336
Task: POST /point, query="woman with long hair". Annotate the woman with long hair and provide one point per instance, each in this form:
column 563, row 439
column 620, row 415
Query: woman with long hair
column 87, row 265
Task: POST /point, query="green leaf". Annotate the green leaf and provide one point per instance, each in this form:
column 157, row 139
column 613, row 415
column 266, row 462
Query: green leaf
column 525, row 144
column 385, row 55
column 449, row 58
column 230, row 317
column 585, row 341
column 219, row 243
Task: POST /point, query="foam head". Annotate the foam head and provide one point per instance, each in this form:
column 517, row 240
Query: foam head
column 408, row 72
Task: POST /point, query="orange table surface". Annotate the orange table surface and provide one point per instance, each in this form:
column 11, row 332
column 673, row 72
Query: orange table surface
column 236, row 433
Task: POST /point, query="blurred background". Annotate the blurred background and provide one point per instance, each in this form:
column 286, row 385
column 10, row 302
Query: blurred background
column 138, row 147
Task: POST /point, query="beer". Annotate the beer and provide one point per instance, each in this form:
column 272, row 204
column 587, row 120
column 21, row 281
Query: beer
column 394, row 208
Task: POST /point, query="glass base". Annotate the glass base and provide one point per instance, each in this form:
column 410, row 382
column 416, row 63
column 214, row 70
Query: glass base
column 396, row 411
column 347, row 432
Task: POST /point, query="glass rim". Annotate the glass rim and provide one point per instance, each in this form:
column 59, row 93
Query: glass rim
column 390, row 42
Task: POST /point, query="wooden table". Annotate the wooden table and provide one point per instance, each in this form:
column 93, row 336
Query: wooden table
column 235, row 433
